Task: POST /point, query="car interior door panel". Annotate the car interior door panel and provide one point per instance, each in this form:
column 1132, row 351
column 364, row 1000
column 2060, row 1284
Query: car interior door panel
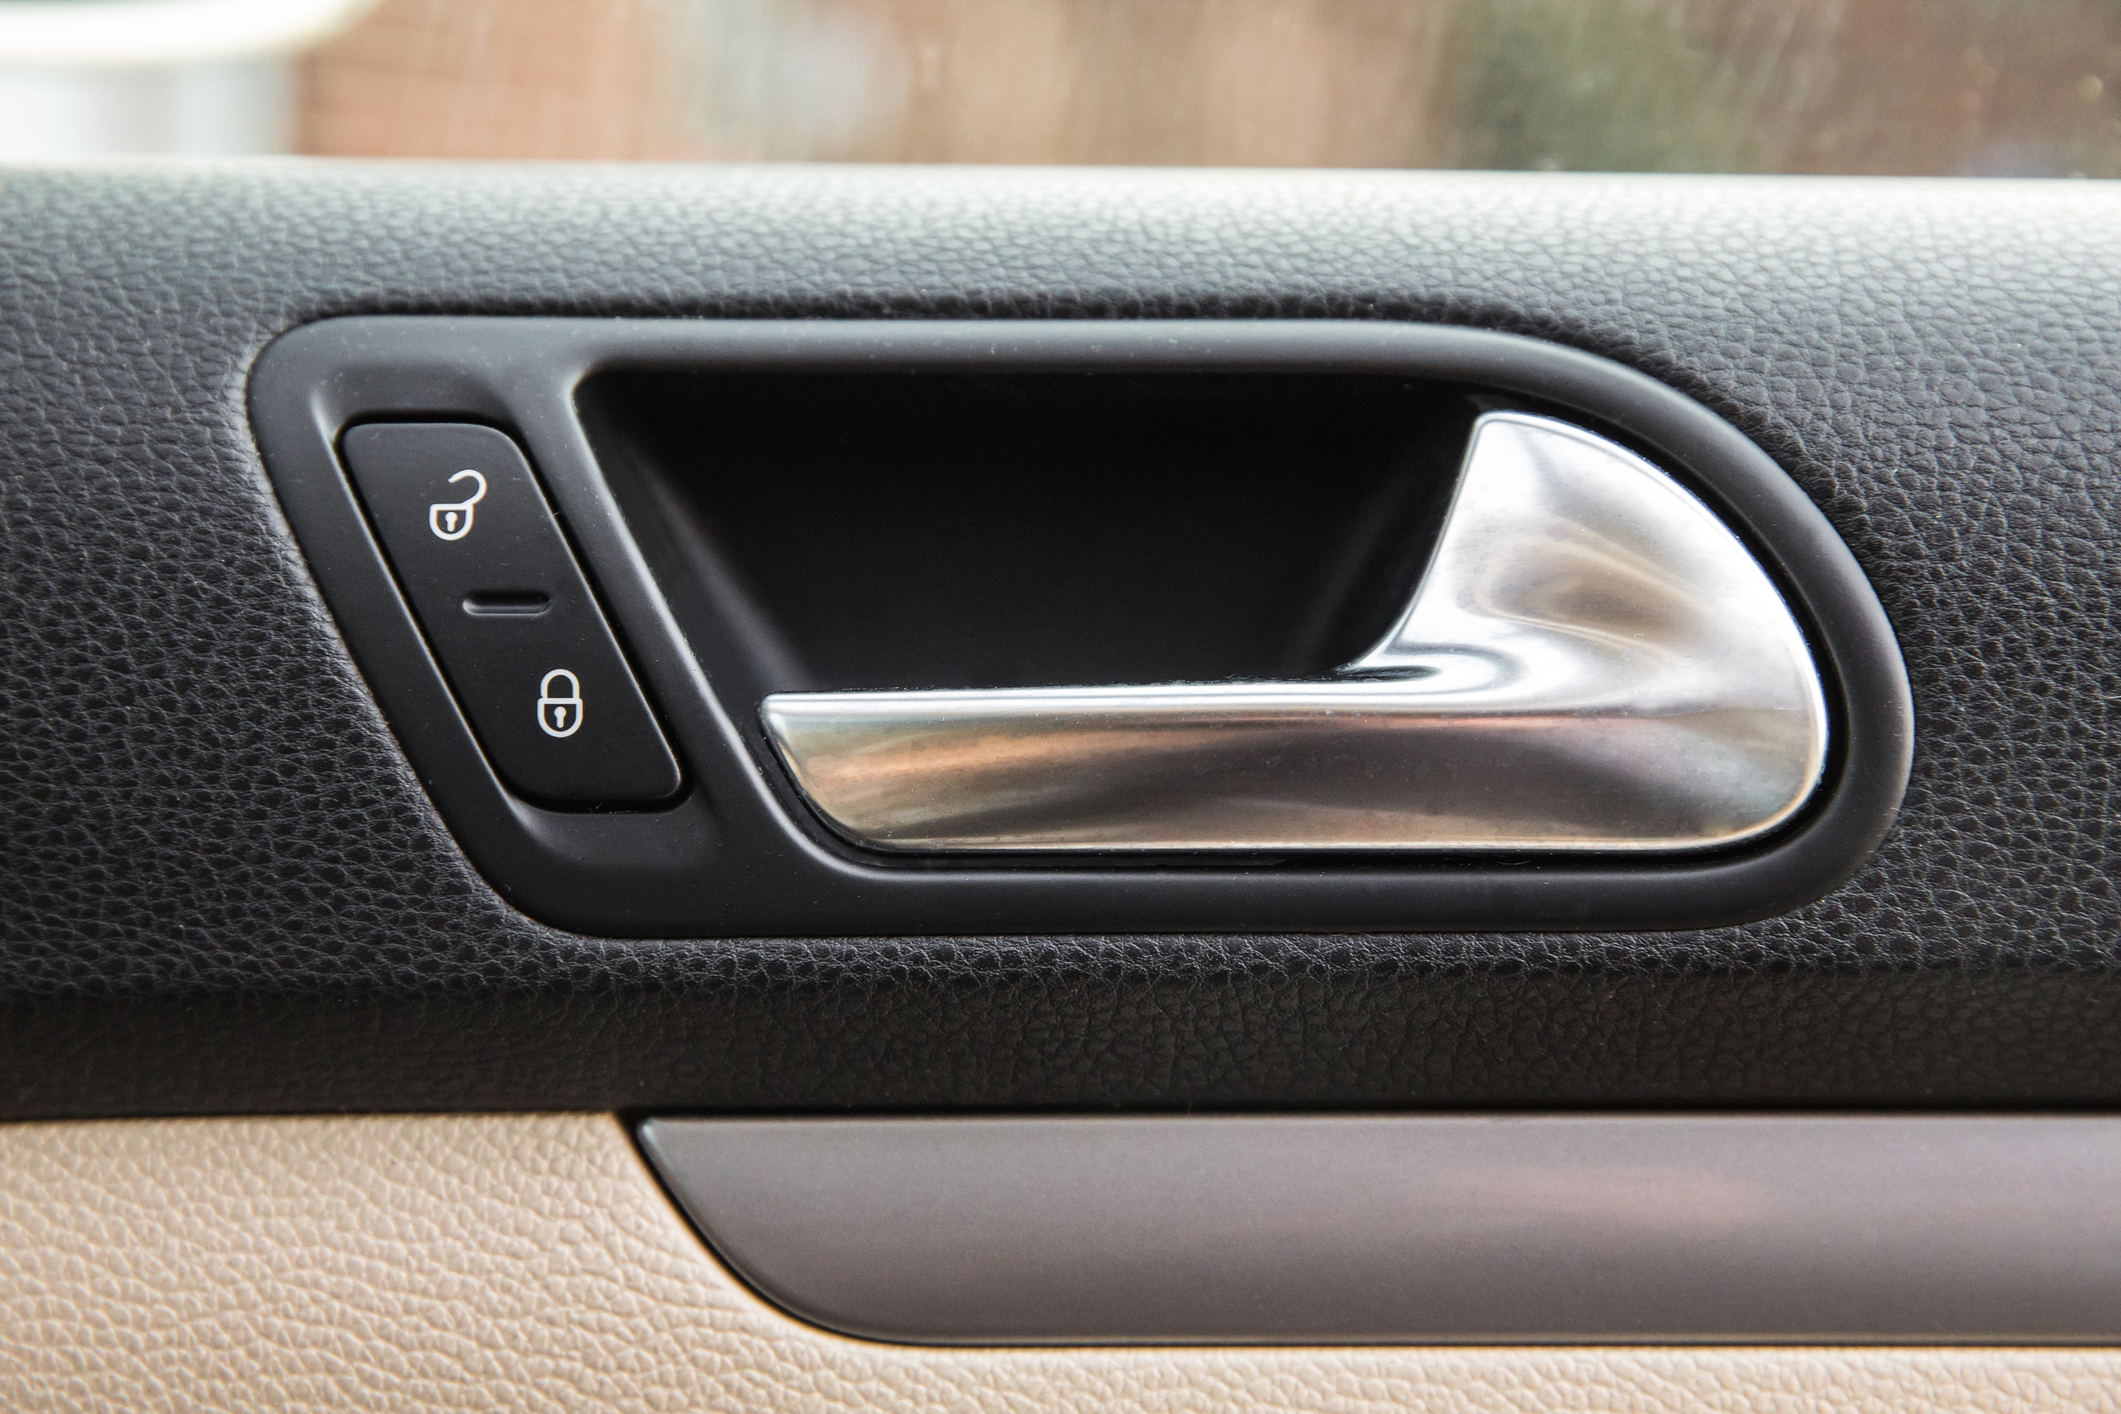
column 703, row 785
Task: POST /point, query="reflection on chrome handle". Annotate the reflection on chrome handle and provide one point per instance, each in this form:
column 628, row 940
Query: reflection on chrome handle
column 1593, row 661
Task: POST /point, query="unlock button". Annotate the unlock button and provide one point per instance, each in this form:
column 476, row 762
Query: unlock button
column 509, row 614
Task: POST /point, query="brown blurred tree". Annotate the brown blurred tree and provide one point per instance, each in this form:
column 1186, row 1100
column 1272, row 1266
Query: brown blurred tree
column 1912, row 86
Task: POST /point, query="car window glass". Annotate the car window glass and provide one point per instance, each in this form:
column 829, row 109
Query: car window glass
column 1945, row 87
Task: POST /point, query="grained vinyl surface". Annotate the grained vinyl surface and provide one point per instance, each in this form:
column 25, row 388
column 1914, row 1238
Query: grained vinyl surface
column 222, row 889
column 530, row 1262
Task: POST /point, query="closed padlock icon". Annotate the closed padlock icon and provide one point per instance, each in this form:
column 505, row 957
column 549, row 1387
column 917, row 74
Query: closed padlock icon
column 560, row 714
column 451, row 520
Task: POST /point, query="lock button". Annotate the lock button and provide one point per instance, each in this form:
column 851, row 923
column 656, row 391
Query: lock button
column 509, row 614
column 560, row 716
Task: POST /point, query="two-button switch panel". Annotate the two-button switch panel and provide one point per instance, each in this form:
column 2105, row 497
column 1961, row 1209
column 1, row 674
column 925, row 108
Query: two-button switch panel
column 509, row 614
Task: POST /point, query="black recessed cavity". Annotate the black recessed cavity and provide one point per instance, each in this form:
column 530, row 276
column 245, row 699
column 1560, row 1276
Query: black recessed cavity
column 1041, row 530
column 766, row 507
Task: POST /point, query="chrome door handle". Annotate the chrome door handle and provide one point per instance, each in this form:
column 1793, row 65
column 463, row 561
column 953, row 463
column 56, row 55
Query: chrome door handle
column 1592, row 661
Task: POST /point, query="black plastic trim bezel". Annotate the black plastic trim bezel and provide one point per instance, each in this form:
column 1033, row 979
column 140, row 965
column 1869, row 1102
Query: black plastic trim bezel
column 735, row 857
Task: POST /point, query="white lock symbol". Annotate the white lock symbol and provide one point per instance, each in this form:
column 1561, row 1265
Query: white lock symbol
column 451, row 520
column 560, row 715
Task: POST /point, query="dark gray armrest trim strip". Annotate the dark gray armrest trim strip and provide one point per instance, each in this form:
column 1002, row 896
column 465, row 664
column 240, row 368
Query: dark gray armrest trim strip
column 1416, row 1229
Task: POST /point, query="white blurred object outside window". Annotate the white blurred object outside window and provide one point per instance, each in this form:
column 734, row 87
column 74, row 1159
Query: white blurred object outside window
column 86, row 77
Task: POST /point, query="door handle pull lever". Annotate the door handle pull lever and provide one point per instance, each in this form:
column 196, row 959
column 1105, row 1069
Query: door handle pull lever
column 1592, row 661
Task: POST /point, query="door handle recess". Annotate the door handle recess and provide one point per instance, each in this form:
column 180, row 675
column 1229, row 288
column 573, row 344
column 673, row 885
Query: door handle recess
column 1592, row 661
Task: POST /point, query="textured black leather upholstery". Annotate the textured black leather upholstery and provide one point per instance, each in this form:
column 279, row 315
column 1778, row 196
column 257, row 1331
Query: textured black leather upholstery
column 224, row 890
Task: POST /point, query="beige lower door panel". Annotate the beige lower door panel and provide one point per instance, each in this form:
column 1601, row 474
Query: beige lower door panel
column 532, row 1262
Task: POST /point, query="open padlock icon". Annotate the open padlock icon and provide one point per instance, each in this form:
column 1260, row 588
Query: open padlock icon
column 560, row 714
column 451, row 520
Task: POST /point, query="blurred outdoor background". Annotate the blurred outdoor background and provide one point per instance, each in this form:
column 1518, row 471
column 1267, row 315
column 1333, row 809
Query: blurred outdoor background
column 1987, row 87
